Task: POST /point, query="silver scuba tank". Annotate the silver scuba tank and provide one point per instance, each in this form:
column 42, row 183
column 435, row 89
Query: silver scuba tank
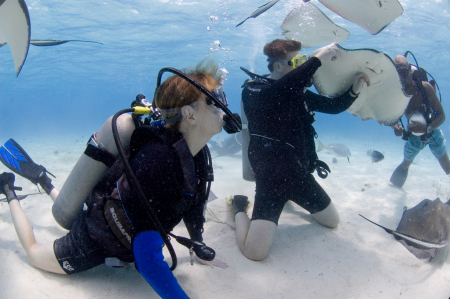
column 88, row 172
column 247, row 172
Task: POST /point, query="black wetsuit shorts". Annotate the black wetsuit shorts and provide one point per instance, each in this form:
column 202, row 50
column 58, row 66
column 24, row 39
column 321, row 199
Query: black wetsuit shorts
column 76, row 251
column 279, row 178
column 271, row 197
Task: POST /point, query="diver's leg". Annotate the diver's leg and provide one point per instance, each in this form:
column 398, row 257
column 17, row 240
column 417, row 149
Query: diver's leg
column 41, row 256
column 310, row 195
column 254, row 237
column 445, row 163
column 438, row 147
column 406, row 164
column 328, row 217
column 54, row 194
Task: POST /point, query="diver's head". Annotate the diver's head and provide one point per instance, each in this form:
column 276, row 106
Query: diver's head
column 283, row 57
column 186, row 107
column 404, row 70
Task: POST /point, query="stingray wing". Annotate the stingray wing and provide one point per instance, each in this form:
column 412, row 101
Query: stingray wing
column 15, row 30
column 384, row 100
column 309, row 25
column 372, row 15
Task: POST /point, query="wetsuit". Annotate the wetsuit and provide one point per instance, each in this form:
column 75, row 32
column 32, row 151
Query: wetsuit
column 176, row 189
column 281, row 149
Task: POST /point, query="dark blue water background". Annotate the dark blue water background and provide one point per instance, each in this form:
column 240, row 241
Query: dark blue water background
column 71, row 89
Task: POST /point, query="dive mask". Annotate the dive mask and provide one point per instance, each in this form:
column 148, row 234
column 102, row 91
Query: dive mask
column 294, row 62
column 298, row 60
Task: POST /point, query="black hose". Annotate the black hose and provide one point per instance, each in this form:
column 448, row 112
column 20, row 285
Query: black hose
column 133, row 181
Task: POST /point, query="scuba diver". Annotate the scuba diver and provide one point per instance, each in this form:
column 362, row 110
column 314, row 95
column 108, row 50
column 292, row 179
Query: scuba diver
column 425, row 114
column 280, row 113
column 169, row 163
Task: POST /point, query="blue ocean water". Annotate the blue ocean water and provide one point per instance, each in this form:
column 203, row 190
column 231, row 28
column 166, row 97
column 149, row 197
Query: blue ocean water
column 72, row 88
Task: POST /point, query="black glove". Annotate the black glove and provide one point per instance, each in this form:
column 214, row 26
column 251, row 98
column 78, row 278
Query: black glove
column 7, row 185
column 201, row 250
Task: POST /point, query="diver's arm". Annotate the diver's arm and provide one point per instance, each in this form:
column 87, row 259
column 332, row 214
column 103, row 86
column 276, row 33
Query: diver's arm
column 149, row 260
column 324, row 104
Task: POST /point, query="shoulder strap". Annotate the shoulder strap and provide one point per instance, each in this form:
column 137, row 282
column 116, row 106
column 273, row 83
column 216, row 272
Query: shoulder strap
column 256, row 78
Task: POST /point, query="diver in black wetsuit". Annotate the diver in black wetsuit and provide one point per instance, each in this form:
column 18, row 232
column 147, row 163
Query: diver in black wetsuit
column 282, row 150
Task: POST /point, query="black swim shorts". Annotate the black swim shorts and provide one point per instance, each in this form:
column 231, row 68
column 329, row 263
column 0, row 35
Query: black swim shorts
column 75, row 251
column 272, row 195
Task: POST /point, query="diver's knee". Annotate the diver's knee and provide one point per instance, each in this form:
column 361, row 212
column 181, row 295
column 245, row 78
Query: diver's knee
column 328, row 217
column 256, row 253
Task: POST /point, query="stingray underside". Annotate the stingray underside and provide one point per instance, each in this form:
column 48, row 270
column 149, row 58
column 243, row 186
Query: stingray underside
column 384, row 100
column 372, row 15
column 310, row 26
column 15, row 30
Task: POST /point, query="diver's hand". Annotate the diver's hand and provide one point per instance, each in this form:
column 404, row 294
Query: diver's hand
column 398, row 130
column 417, row 127
column 329, row 53
column 216, row 262
column 358, row 82
column 7, row 179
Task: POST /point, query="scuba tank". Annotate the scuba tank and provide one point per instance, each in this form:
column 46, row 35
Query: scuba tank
column 247, row 172
column 100, row 153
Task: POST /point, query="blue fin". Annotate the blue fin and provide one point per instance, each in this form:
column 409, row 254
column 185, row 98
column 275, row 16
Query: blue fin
column 13, row 156
column 12, row 153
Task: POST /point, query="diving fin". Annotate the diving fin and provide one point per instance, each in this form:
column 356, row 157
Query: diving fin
column 399, row 176
column 13, row 156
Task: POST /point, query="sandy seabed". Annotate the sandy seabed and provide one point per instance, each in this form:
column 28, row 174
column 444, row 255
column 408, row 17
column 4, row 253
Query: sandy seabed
column 307, row 260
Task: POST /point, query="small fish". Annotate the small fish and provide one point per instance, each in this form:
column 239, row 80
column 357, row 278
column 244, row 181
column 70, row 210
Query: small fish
column 375, row 156
column 337, row 149
column 260, row 10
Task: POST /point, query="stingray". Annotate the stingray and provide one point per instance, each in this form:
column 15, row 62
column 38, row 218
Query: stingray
column 229, row 146
column 384, row 100
column 259, row 11
column 310, row 26
column 425, row 229
column 372, row 15
column 15, row 30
